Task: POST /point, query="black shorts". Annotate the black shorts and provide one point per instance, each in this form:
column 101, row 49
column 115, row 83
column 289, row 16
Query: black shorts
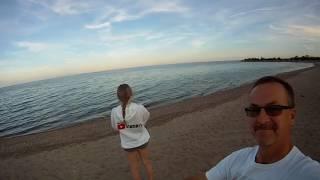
column 137, row 148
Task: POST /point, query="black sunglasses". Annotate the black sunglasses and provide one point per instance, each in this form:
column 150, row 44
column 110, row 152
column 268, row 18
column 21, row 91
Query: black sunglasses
column 271, row 110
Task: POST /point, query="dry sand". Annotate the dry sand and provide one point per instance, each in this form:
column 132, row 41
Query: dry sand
column 186, row 138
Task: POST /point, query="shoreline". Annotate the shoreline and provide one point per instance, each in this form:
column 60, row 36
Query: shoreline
column 96, row 129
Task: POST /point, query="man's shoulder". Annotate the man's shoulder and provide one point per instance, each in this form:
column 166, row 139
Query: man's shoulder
column 311, row 167
column 306, row 166
column 301, row 157
column 306, row 169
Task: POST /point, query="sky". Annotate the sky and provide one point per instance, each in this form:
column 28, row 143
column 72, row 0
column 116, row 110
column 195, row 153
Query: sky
column 42, row 39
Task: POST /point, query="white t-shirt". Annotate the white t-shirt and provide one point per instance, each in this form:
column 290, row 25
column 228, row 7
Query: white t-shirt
column 135, row 134
column 241, row 165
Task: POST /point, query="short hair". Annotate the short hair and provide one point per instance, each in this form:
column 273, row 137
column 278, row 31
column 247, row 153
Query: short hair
column 285, row 85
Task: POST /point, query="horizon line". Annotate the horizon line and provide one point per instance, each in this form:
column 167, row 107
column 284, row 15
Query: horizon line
column 115, row 69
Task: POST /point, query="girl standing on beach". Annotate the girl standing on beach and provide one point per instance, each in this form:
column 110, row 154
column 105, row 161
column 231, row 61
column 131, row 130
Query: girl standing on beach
column 129, row 120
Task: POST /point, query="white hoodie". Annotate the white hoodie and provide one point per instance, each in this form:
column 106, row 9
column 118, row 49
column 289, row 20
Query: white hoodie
column 135, row 134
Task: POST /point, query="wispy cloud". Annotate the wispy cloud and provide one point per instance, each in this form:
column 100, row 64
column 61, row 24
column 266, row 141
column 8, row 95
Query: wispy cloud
column 155, row 36
column 259, row 10
column 122, row 38
column 166, row 7
column 32, row 46
column 196, row 43
column 114, row 14
column 98, row 25
column 64, row 7
column 310, row 31
column 298, row 30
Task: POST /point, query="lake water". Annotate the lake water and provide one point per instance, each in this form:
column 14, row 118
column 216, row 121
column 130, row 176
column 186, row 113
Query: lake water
column 55, row 103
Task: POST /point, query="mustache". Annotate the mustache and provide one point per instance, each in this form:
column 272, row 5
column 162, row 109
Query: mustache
column 265, row 126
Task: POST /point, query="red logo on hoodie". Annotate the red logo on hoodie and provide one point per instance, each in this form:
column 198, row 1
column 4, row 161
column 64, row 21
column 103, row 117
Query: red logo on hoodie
column 121, row 126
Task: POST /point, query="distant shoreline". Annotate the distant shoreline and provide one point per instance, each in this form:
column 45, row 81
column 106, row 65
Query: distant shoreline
column 306, row 59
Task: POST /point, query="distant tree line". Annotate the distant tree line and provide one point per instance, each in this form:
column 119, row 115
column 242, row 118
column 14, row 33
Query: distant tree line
column 305, row 58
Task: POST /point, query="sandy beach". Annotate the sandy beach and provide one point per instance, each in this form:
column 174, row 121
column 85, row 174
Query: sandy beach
column 187, row 137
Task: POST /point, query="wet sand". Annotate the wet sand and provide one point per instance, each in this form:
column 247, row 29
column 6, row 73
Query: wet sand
column 186, row 138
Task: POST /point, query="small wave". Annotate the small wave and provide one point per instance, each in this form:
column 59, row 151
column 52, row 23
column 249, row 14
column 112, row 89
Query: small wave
column 17, row 104
column 17, row 109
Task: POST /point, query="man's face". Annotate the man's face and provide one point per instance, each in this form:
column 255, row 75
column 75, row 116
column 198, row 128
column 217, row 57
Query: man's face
column 271, row 130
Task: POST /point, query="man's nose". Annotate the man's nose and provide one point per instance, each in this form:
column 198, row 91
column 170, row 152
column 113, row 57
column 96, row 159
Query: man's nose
column 263, row 117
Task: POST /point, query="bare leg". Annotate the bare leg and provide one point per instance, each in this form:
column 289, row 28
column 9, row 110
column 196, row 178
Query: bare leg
column 144, row 154
column 134, row 162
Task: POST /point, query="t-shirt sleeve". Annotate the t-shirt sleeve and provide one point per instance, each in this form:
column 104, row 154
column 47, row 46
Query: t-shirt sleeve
column 221, row 170
column 310, row 170
column 145, row 115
